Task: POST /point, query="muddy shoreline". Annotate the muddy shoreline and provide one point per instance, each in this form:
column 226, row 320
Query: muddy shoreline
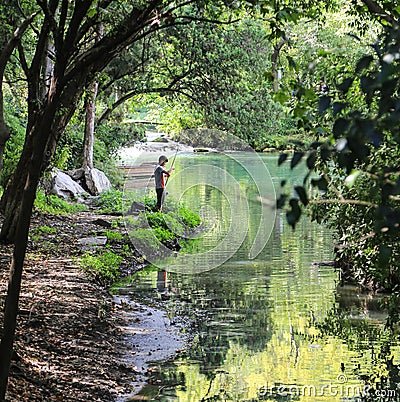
column 74, row 341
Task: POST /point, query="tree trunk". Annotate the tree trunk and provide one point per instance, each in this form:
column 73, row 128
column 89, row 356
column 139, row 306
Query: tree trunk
column 33, row 164
column 4, row 136
column 274, row 60
column 11, row 201
column 5, row 55
column 90, row 112
column 14, row 284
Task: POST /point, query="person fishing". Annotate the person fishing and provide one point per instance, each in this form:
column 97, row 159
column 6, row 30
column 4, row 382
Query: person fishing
column 160, row 177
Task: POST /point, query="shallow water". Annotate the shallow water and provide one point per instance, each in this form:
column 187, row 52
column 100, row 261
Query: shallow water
column 274, row 327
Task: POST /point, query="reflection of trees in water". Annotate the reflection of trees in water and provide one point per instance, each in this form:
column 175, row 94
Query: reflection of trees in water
column 370, row 339
column 223, row 310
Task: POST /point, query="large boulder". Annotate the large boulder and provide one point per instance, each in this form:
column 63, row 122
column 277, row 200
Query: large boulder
column 63, row 186
column 94, row 181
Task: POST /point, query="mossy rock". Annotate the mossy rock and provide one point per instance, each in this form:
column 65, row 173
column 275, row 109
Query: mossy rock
column 161, row 139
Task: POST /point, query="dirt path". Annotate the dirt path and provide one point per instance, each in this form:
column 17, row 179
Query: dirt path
column 71, row 337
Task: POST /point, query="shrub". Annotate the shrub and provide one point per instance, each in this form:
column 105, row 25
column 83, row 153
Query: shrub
column 144, row 241
column 110, row 202
column 163, row 235
column 165, row 221
column 151, row 228
column 55, row 205
column 44, row 229
column 150, row 202
column 113, row 236
column 14, row 145
column 189, row 218
column 155, row 219
column 103, row 267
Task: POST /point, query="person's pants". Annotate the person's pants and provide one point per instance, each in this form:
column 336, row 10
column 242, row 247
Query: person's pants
column 160, row 198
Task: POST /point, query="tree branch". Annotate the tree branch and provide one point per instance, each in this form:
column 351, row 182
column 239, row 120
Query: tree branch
column 13, row 42
column 22, row 60
column 344, row 201
column 5, row 55
column 131, row 94
column 89, row 22
column 71, row 36
column 375, row 8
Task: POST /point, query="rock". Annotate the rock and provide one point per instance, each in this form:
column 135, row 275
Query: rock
column 201, row 150
column 161, row 139
column 93, row 241
column 102, row 222
column 136, row 207
column 63, row 186
column 96, row 181
column 77, row 174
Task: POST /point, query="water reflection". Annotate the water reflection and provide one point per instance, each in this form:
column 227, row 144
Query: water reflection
column 274, row 328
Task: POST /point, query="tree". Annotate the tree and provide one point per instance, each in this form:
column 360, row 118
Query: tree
column 219, row 82
column 59, row 63
column 60, row 58
column 214, row 73
column 12, row 29
column 357, row 161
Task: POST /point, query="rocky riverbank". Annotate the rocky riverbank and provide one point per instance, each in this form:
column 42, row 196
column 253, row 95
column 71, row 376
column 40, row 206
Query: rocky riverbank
column 155, row 144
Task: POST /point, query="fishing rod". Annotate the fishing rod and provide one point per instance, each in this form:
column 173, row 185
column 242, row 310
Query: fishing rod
column 173, row 162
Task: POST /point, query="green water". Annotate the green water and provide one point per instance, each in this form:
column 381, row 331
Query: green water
column 274, row 327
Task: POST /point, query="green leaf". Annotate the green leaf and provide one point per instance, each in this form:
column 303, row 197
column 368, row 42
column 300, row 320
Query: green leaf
column 301, row 192
column 325, row 152
column 351, row 178
column 282, row 158
column 323, row 103
column 321, row 183
column 92, row 12
column 376, row 138
column 385, row 253
column 291, row 62
column 345, row 85
column 281, row 201
column 293, row 215
column 296, row 159
column 311, row 159
column 339, row 127
column 367, row 84
column 338, row 107
column 346, row 160
column 363, row 63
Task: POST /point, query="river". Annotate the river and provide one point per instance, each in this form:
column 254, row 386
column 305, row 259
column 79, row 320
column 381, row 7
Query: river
column 268, row 318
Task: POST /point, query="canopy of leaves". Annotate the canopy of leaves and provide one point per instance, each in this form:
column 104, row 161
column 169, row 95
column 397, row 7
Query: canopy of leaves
column 359, row 184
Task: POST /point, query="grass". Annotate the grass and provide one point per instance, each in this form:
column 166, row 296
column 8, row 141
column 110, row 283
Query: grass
column 113, row 236
column 152, row 228
column 102, row 267
column 55, row 205
column 110, row 202
column 44, row 230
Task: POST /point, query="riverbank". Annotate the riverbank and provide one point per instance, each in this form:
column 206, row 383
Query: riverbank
column 72, row 337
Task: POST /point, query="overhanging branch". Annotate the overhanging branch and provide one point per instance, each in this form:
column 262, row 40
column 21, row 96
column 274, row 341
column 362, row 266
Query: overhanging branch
column 376, row 9
column 132, row 94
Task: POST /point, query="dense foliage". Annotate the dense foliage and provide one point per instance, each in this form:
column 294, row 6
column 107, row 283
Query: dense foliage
column 219, row 75
column 228, row 91
column 359, row 184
